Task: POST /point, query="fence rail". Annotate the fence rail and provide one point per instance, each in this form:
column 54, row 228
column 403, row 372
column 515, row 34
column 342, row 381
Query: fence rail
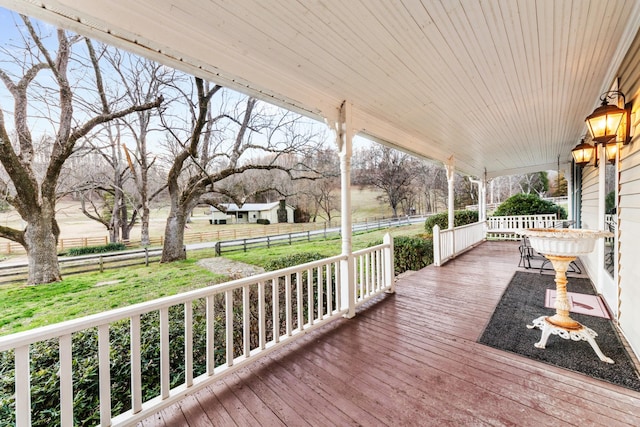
column 100, row 262
column 85, row 263
column 248, row 231
column 240, row 321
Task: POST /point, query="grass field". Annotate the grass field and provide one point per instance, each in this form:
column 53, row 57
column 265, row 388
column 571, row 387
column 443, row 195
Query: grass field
column 25, row 307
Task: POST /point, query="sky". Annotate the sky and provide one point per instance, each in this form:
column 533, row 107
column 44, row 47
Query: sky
column 9, row 36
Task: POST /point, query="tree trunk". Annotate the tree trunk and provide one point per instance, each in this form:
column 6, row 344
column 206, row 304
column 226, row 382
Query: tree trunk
column 125, row 229
column 41, row 240
column 113, row 235
column 144, row 229
column 173, row 249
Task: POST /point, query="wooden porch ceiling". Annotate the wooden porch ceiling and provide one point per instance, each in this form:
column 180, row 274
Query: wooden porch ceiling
column 503, row 86
column 411, row 359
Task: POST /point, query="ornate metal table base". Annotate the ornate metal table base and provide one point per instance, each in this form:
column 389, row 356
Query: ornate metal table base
column 561, row 323
column 581, row 333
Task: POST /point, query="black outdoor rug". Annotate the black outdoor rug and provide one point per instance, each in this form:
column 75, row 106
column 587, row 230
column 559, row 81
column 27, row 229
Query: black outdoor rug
column 523, row 301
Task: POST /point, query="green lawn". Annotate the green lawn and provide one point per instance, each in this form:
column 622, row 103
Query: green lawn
column 25, row 307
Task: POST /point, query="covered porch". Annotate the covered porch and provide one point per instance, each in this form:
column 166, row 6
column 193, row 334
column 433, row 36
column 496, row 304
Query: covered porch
column 488, row 89
column 410, row 358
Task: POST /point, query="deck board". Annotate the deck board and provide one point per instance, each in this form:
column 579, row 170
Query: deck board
column 410, row 359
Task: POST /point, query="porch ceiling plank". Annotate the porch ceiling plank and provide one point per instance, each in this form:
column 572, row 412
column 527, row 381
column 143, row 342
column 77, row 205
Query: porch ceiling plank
column 502, row 85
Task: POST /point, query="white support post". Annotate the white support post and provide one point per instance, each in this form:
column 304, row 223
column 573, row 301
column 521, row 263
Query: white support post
column 482, row 205
column 437, row 260
column 389, row 267
column 450, row 167
column 602, row 173
column 570, row 200
column 451, row 175
column 344, row 136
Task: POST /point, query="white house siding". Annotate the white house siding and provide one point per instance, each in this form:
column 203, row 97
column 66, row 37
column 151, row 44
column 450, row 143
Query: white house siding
column 629, row 204
column 589, row 216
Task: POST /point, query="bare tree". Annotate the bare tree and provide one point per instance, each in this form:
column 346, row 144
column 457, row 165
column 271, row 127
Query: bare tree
column 391, row 171
column 143, row 81
column 325, row 191
column 221, row 145
column 431, row 179
column 116, row 200
column 52, row 97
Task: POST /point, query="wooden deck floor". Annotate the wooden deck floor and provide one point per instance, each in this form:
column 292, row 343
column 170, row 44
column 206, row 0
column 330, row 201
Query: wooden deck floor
column 410, row 359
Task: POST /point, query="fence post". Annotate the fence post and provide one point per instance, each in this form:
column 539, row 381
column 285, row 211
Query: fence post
column 244, row 244
column 146, row 257
column 101, row 266
column 184, row 249
column 218, row 249
column 289, row 239
column 436, row 246
column 268, row 243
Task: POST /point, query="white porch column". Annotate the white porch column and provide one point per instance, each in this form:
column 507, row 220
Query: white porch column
column 450, row 167
column 602, row 173
column 482, row 201
column 483, row 197
column 344, row 136
column 569, row 178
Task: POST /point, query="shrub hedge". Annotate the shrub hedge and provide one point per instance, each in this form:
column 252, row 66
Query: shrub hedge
column 86, row 250
column 292, row 260
column 462, row 217
column 263, row 221
column 411, row 253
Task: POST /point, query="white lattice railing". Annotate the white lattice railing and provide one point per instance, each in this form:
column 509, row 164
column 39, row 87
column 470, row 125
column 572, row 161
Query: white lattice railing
column 451, row 242
column 235, row 322
column 506, row 227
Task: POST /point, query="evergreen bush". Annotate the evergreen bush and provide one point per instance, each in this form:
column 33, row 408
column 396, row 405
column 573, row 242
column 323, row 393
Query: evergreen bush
column 292, row 260
column 529, row 204
column 411, row 253
column 86, row 250
column 462, row 217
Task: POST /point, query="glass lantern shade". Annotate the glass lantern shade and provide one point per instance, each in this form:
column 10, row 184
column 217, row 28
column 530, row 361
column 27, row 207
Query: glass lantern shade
column 603, row 123
column 582, row 153
column 610, row 151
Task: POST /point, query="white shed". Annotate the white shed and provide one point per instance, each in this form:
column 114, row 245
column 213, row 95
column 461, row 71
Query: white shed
column 249, row 213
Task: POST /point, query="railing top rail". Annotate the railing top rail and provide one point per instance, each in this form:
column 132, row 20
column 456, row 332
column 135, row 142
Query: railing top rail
column 68, row 327
column 370, row 249
column 523, row 216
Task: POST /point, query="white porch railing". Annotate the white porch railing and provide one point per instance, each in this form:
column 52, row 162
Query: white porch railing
column 506, row 227
column 240, row 321
column 451, row 242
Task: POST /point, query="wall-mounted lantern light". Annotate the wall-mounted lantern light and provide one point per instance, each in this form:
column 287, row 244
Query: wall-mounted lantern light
column 604, row 122
column 583, row 153
column 608, row 125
